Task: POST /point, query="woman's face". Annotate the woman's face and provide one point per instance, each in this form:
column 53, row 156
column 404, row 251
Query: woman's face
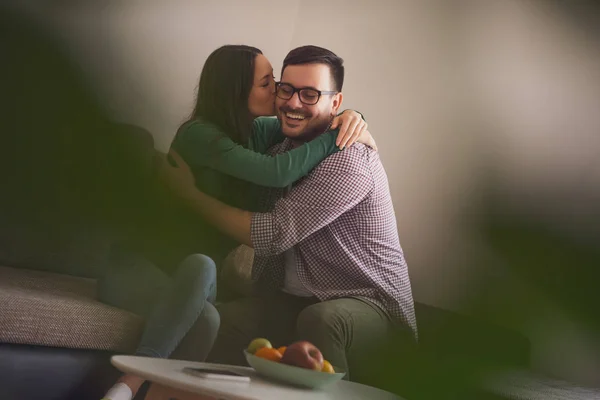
column 261, row 102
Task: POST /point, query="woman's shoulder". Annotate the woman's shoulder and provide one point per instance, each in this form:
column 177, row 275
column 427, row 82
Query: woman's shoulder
column 198, row 132
column 198, row 128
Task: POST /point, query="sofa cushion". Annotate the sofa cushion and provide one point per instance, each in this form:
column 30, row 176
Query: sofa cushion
column 236, row 271
column 46, row 282
column 48, row 309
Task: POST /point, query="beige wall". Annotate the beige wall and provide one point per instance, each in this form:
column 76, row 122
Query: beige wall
column 449, row 90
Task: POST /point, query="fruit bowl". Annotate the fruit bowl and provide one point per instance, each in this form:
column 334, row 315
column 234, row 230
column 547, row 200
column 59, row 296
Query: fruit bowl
column 290, row 374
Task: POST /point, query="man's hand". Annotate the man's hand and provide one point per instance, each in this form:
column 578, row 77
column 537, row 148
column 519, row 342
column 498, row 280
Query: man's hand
column 352, row 126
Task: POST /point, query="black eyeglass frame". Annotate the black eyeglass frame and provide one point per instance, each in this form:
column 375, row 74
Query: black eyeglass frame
column 295, row 90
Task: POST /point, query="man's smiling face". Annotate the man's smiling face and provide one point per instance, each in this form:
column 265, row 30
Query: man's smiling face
column 300, row 121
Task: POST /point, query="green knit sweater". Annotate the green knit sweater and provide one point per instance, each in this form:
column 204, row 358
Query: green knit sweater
column 233, row 173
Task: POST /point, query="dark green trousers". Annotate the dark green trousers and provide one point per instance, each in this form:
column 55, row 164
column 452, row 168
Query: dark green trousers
column 353, row 334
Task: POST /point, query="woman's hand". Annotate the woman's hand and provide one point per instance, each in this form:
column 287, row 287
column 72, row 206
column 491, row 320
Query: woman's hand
column 351, row 125
column 366, row 139
column 176, row 175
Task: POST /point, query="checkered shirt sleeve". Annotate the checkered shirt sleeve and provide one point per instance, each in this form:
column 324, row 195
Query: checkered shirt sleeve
column 316, row 202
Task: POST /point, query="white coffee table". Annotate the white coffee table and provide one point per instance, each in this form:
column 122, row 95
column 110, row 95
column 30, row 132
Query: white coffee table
column 170, row 373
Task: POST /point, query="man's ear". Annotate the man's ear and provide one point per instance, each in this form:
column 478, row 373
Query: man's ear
column 337, row 103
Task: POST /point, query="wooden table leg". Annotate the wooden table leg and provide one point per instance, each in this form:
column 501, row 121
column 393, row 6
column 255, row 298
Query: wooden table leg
column 161, row 392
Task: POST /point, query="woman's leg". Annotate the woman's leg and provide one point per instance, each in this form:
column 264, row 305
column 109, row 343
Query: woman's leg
column 182, row 307
column 172, row 307
column 198, row 342
column 133, row 284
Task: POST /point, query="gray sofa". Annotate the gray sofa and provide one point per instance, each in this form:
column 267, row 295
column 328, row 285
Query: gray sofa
column 56, row 338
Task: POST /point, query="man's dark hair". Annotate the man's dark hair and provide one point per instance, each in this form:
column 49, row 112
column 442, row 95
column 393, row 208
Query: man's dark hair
column 318, row 55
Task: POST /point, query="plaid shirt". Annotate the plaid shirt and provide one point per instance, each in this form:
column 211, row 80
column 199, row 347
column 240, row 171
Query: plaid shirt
column 340, row 223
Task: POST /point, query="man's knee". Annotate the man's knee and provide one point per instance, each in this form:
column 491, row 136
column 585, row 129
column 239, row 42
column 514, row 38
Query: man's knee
column 324, row 318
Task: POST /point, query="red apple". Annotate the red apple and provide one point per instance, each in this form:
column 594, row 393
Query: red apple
column 303, row 354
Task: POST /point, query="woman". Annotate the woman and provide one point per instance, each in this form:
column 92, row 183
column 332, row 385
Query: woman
column 176, row 303
column 236, row 86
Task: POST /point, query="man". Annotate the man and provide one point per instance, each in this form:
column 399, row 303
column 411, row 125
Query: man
column 327, row 255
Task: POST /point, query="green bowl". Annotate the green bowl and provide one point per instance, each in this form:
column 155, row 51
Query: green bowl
column 292, row 375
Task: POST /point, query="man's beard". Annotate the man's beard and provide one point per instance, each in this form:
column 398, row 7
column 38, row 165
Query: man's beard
column 312, row 130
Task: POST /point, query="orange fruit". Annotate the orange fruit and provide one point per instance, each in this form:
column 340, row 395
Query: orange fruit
column 282, row 349
column 268, row 354
column 327, row 367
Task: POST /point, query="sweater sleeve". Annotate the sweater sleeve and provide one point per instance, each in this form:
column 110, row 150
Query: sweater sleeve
column 204, row 145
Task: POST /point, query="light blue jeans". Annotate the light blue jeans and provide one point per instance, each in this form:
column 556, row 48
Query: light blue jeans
column 173, row 307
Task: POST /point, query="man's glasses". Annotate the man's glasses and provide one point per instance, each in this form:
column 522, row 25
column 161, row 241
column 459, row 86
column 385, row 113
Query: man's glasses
column 307, row 96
